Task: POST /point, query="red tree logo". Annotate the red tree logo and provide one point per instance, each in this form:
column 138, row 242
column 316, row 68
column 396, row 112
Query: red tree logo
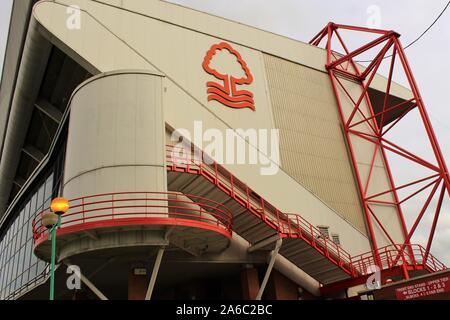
column 227, row 93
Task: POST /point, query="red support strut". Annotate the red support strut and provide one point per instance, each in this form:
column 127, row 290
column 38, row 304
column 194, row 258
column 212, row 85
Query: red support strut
column 369, row 121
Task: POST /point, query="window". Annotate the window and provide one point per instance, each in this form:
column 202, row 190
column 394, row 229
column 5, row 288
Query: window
column 324, row 231
column 19, row 267
column 18, row 264
column 335, row 239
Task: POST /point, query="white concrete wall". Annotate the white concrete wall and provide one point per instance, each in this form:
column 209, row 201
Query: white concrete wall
column 116, row 138
column 172, row 40
column 130, row 40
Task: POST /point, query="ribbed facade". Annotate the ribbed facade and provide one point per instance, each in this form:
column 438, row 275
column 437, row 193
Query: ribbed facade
column 312, row 144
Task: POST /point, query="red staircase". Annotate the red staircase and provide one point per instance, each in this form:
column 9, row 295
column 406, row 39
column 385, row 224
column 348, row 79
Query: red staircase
column 256, row 220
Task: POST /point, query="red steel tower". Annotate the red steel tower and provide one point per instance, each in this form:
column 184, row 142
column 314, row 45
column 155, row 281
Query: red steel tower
column 371, row 121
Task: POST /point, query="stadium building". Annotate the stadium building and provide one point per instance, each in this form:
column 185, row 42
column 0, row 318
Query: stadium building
column 138, row 112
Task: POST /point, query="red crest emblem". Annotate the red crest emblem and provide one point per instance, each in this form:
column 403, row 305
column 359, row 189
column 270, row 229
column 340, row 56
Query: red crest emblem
column 227, row 93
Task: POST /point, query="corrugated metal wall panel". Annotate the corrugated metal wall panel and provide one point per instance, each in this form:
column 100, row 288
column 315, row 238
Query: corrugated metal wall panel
column 312, row 145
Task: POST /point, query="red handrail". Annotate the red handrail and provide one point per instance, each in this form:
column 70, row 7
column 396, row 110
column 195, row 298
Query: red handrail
column 141, row 206
column 293, row 225
column 414, row 256
column 289, row 225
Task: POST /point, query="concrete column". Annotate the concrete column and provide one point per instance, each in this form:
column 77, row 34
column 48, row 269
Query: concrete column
column 250, row 283
column 281, row 288
column 117, row 135
column 116, row 147
column 137, row 286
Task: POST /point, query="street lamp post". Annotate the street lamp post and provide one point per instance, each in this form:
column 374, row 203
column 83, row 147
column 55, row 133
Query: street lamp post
column 52, row 221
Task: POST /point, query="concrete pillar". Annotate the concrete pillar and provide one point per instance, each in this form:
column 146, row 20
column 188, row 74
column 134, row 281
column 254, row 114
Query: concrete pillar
column 137, row 286
column 250, row 283
column 117, row 135
column 281, row 288
column 116, row 147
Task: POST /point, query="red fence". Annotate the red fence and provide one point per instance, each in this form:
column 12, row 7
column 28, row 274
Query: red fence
column 390, row 257
column 291, row 225
column 136, row 208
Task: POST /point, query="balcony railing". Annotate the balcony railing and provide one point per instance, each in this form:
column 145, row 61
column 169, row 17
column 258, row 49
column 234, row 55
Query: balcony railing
column 391, row 256
column 139, row 208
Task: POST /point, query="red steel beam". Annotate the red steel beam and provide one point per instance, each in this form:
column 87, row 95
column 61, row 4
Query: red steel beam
column 433, row 227
column 358, row 51
column 423, row 113
column 369, row 222
column 388, row 86
column 418, row 219
column 381, row 143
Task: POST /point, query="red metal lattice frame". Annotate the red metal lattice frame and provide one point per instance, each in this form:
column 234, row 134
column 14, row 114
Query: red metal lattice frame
column 343, row 66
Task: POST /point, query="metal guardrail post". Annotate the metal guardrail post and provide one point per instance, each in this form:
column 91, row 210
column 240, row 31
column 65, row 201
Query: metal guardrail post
column 278, row 221
column 232, row 185
column 299, row 227
column 325, row 247
column 112, row 205
column 83, row 210
column 389, row 259
column 263, row 213
column 247, row 191
column 289, row 226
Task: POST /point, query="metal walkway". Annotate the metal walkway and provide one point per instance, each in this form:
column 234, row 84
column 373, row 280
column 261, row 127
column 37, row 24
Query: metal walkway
column 260, row 223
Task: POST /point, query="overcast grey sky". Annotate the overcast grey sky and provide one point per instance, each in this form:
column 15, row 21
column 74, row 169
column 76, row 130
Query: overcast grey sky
column 302, row 19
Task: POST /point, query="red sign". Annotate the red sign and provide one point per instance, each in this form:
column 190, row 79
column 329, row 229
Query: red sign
column 423, row 289
column 227, row 92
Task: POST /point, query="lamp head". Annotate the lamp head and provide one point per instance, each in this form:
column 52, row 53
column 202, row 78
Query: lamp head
column 49, row 220
column 59, row 206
